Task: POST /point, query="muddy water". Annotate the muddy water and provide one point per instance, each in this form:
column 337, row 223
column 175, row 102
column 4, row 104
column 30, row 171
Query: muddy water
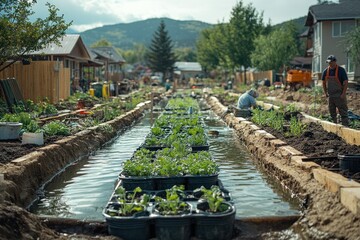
column 83, row 189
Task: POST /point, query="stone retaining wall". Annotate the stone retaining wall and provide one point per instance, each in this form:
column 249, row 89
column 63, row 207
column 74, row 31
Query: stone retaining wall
column 286, row 163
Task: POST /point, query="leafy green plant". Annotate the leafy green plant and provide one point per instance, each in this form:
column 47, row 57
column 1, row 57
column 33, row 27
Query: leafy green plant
column 56, row 128
column 167, row 167
column 296, row 127
column 199, row 163
column 172, row 204
column 157, row 131
column 138, row 167
column 275, row 120
column 213, row 197
column 129, row 202
column 259, row 117
column 32, row 127
column 45, row 108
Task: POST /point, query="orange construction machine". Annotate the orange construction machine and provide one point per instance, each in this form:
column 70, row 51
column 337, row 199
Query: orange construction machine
column 297, row 78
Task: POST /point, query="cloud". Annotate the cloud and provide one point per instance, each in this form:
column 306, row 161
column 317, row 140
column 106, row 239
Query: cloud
column 90, row 13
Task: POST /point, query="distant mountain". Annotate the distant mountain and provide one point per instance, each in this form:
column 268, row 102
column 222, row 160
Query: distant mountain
column 125, row 35
column 182, row 33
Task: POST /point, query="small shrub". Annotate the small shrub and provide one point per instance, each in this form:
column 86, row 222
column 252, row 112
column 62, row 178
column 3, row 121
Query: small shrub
column 56, row 128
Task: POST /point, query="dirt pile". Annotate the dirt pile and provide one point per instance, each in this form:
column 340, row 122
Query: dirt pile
column 16, row 223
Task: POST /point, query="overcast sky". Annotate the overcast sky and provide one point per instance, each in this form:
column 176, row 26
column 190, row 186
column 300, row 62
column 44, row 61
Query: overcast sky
column 87, row 14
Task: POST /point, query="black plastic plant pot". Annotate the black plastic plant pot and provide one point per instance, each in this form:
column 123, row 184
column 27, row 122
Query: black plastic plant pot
column 200, row 148
column 129, row 228
column 132, row 227
column 214, row 226
column 196, row 181
column 173, row 227
column 163, row 183
column 350, row 163
column 130, row 183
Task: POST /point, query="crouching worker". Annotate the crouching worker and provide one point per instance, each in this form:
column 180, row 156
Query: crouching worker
column 247, row 101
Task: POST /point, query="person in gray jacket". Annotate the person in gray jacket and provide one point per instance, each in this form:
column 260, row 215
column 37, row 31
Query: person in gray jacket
column 247, row 100
column 335, row 83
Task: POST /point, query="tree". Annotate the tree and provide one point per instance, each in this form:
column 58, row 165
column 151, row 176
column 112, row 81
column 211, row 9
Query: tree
column 19, row 36
column 276, row 49
column 160, row 55
column 211, row 48
column 353, row 41
column 185, row 54
column 244, row 26
column 101, row 43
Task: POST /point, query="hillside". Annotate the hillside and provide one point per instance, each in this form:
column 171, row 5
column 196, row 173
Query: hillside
column 125, row 35
column 182, row 33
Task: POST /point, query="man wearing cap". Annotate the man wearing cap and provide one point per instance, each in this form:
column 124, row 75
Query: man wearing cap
column 335, row 83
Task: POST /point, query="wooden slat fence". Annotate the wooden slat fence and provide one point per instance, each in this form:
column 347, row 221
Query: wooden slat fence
column 40, row 80
column 253, row 76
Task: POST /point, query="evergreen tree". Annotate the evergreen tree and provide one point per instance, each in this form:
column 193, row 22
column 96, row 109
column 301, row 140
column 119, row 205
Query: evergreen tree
column 160, row 56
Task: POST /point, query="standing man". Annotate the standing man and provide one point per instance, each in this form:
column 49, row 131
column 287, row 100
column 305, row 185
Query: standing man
column 335, row 83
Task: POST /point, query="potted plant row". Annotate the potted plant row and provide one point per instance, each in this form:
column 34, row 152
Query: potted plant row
column 179, row 182
column 168, row 129
column 170, row 215
column 169, row 166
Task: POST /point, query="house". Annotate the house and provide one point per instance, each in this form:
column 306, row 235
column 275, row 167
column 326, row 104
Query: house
column 50, row 73
column 72, row 52
column 112, row 61
column 328, row 24
column 186, row 71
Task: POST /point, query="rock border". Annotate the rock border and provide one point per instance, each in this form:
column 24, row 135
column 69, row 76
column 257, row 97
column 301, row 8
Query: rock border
column 304, row 178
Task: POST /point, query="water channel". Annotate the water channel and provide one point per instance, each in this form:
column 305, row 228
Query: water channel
column 83, row 189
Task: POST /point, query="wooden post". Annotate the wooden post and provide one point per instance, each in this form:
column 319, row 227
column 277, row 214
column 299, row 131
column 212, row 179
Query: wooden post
column 151, row 107
column 2, row 188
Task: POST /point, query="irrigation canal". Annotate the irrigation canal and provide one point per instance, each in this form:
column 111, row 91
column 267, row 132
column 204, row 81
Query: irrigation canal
column 83, row 189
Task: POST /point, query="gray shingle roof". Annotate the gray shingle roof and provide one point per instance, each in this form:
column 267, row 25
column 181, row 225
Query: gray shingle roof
column 107, row 53
column 188, row 66
column 67, row 44
column 347, row 9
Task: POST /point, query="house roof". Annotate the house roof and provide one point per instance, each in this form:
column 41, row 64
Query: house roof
column 188, row 66
column 107, row 53
column 301, row 61
column 345, row 9
column 68, row 44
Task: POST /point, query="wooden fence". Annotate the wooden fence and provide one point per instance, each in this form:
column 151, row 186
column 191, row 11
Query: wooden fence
column 40, row 80
column 253, row 76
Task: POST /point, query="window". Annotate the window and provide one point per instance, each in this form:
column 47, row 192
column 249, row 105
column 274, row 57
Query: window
column 316, row 64
column 350, row 66
column 340, row 28
column 317, row 32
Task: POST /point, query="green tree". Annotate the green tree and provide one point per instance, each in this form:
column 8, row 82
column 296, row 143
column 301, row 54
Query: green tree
column 244, row 26
column 185, row 54
column 211, row 47
column 136, row 55
column 276, row 49
column 160, row 55
column 19, row 35
column 102, row 43
column 353, row 41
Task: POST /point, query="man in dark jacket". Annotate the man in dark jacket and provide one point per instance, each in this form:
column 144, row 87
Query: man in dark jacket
column 335, row 83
